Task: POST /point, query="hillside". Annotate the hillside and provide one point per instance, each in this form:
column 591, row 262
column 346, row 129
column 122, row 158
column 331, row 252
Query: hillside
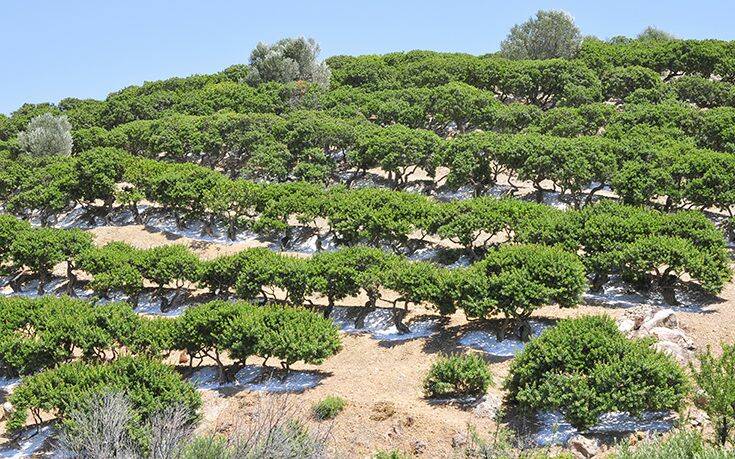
column 352, row 227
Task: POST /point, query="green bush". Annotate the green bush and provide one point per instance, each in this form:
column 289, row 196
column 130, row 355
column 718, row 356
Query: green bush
column 716, row 378
column 586, row 367
column 207, row 447
column 149, row 385
column 682, row 444
column 329, row 408
column 458, row 375
column 43, row 332
column 293, row 335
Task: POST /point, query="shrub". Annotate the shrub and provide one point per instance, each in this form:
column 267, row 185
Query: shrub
column 585, row 367
column 277, row 429
column 516, row 280
column 104, row 426
column 392, row 454
column 47, row 135
column 458, row 375
column 149, row 385
column 329, row 408
column 168, row 264
column 548, row 35
column 205, row 331
column 681, row 444
column 41, row 333
column 716, row 378
column 207, row 447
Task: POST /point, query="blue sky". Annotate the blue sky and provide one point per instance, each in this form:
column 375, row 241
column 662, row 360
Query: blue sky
column 79, row 48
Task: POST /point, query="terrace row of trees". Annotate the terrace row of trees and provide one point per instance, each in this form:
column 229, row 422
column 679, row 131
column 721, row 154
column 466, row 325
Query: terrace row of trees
column 604, row 71
column 553, row 252
column 641, row 164
column 45, row 332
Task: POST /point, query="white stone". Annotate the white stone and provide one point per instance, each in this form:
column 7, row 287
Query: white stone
column 674, row 335
column 665, row 317
column 626, row 325
column 584, row 447
column 674, row 350
column 7, row 409
column 488, row 407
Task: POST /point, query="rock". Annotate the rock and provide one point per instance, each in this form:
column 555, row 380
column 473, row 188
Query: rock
column 488, row 407
column 626, row 325
column 584, row 447
column 664, row 317
column 674, row 335
column 698, row 418
column 7, row 410
column 674, row 350
column 459, row 440
column 419, row 447
column 183, row 358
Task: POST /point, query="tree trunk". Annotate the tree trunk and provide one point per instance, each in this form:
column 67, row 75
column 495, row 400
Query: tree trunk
column 72, row 279
column 42, row 279
column 599, row 281
column 330, row 307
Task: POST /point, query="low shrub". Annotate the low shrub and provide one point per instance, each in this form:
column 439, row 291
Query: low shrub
column 682, row 444
column 207, row 447
column 458, row 375
column 716, row 378
column 150, row 386
column 585, row 367
column 329, row 408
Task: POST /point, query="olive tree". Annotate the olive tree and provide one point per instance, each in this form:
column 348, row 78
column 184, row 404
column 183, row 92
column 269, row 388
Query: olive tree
column 47, row 135
column 289, row 59
column 548, row 35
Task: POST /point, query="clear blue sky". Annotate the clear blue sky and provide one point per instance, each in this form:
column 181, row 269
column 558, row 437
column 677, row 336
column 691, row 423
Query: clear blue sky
column 88, row 48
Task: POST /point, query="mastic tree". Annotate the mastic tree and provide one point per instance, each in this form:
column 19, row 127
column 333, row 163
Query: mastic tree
column 98, row 172
column 516, row 280
column 400, row 151
column 203, row 331
column 619, row 82
column 473, row 159
column 150, row 385
column 662, row 260
column 168, row 265
column 114, row 267
column 586, row 367
column 292, row 335
column 39, row 249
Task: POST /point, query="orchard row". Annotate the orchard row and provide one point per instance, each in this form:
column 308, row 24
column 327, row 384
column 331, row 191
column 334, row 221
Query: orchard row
column 65, row 336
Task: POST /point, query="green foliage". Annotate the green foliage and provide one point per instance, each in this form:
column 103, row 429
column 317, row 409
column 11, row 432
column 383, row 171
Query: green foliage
column 682, row 444
column 516, row 280
column 207, row 447
column 548, row 35
column 457, row 376
column 170, row 264
column 150, row 386
column 716, row 379
column 585, row 367
column 329, row 407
